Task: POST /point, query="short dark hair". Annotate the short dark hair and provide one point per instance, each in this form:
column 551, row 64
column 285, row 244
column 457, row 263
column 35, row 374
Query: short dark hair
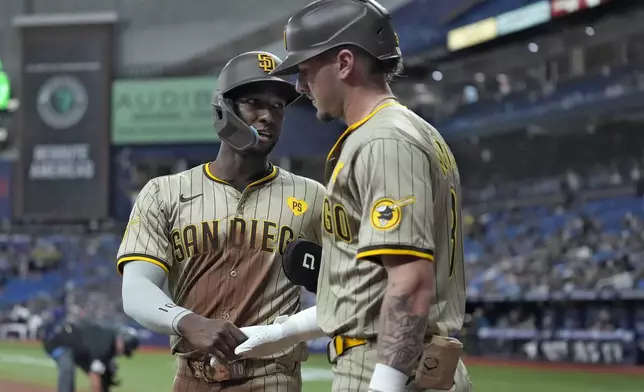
column 389, row 69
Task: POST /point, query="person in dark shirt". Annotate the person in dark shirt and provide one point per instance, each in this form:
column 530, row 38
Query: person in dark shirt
column 92, row 348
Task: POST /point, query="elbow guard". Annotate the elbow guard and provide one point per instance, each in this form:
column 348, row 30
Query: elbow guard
column 301, row 263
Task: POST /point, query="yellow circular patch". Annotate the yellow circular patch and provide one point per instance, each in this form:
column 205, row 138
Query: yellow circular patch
column 384, row 215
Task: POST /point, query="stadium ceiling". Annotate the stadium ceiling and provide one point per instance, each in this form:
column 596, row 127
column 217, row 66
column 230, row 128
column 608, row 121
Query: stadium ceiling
column 214, row 59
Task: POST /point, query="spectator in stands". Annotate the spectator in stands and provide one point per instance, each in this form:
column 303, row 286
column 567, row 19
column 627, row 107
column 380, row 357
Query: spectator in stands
column 45, row 256
column 20, row 314
column 34, row 324
column 603, row 322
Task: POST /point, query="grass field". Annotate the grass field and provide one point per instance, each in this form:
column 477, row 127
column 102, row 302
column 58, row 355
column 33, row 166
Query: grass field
column 153, row 372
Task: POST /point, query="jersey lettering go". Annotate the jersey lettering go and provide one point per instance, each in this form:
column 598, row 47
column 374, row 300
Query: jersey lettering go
column 393, row 189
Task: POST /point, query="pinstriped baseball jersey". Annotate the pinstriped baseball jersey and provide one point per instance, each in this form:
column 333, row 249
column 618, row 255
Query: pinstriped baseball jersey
column 222, row 248
column 393, row 189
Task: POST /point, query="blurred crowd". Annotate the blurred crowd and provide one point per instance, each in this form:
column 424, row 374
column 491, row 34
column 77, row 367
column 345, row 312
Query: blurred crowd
column 573, row 244
column 599, row 318
column 542, row 250
column 568, row 184
column 26, row 256
column 49, row 277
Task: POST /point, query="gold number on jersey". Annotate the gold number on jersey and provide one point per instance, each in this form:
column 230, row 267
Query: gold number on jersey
column 335, row 221
column 342, row 228
column 327, row 217
column 453, row 230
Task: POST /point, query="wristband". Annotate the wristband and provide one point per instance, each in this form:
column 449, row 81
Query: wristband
column 180, row 313
column 387, row 379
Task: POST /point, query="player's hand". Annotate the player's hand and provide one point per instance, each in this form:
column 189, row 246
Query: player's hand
column 262, row 340
column 216, row 337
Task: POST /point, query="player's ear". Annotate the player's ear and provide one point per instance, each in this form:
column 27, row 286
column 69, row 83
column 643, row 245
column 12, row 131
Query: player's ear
column 345, row 62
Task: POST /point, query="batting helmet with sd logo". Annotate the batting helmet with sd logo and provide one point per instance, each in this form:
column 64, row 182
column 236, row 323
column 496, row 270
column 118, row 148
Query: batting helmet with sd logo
column 326, row 24
column 247, row 68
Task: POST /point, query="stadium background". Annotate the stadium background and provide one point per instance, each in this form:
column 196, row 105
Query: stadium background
column 541, row 101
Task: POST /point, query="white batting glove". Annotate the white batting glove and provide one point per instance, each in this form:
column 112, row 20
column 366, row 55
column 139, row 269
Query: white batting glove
column 285, row 332
column 263, row 340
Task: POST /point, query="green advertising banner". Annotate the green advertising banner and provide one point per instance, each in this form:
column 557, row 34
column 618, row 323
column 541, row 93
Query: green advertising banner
column 162, row 111
column 5, row 89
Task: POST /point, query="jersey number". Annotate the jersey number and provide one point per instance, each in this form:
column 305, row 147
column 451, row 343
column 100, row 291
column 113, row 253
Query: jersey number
column 165, row 308
column 336, row 221
column 453, row 230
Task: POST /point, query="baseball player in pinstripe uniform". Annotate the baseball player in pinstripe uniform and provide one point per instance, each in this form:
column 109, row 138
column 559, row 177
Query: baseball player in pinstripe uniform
column 391, row 288
column 216, row 233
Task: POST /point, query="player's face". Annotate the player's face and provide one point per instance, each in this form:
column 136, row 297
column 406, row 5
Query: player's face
column 263, row 110
column 318, row 81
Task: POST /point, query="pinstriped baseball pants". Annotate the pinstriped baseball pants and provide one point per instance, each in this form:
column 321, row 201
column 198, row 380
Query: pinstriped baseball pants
column 352, row 372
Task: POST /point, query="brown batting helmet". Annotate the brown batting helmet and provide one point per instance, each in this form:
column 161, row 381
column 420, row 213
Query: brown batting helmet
column 247, row 68
column 327, row 24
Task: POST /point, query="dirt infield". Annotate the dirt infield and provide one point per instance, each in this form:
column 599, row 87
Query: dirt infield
column 15, row 386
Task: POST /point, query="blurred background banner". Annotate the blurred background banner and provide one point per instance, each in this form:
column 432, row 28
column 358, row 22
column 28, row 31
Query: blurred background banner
column 6, row 169
column 5, row 89
column 159, row 111
column 565, row 7
column 523, row 18
column 64, row 140
column 472, row 34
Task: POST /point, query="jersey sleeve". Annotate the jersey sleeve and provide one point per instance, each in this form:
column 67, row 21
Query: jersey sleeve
column 314, row 232
column 393, row 182
column 145, row 236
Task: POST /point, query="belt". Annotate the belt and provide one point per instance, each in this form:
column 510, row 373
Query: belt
column 235, row 372
column 202, row 369
column 341, row 344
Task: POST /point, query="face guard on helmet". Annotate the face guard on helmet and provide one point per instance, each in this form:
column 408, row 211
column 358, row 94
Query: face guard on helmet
column 247, row 68
column 326, row 24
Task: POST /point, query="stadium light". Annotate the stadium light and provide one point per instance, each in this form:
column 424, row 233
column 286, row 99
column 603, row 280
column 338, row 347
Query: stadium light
column 479, row 77
column 13, row 104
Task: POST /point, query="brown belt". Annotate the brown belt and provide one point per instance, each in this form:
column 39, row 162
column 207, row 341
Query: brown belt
column 242, row 370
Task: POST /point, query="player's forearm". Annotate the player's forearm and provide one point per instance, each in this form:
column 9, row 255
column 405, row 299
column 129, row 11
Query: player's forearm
column 95, row 382
column 145, row 301
column 404, row 315
column 303, row 326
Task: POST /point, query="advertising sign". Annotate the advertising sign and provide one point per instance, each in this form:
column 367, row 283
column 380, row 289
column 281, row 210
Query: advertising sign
column 64, row 139
column 472, row 34
column 159, row 111
column 523, row 18
column 5, row 89
column 566, row 7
